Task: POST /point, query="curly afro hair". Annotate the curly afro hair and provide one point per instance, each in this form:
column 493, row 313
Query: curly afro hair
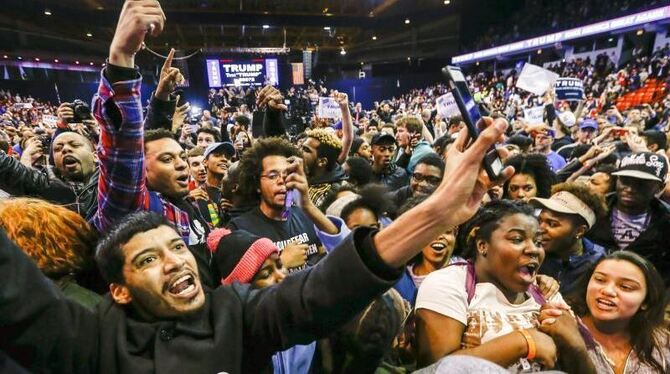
column 536, row 166
column 251, row 163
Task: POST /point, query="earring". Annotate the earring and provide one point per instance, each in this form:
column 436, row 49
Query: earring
column 483, row 253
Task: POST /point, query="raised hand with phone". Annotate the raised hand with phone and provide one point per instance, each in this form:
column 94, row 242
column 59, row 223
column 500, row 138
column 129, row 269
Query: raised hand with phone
column 472, row 118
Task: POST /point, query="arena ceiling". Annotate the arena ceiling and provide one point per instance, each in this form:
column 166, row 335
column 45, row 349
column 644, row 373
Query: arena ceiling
column 367, row 29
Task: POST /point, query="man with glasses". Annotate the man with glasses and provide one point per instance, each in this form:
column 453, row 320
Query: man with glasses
column 272, row 172
column 425, row 179
column 384, row 169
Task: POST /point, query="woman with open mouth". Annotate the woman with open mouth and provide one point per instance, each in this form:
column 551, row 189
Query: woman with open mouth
column 434, row 256
column 488, row 307
column 621, row 302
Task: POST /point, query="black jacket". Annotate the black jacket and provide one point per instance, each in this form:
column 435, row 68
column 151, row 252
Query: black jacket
column 236, row 331
column 20, row 180
column 652, row 244
column 393, row 177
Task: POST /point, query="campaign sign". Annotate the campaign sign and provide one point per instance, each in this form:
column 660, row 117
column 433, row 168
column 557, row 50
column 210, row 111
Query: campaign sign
column 535, row 79
column 242, row 73
column 571, row 89
column 329, row 108
column 49, row 120
column 534, row 116
column 446, row 106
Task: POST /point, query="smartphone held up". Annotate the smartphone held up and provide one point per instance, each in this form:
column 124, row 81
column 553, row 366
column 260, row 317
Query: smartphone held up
column 472, row 117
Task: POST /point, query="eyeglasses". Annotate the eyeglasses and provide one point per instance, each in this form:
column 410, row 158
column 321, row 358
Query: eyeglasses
column 275, row 175
column 426, row 178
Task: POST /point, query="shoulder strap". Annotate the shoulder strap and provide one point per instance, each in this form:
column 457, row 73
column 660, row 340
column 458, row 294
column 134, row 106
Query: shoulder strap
column 471, row 282
column 537, row 294
column 470, row 278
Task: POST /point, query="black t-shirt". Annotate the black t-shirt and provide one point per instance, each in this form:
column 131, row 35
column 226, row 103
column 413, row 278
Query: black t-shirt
column 198, row 242
column 298, row 227
column 211, row 209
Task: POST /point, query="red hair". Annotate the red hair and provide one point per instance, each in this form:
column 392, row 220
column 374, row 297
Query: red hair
column 58, row 239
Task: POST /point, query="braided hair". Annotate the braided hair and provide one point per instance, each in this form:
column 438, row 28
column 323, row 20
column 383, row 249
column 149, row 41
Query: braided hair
column 484, row 222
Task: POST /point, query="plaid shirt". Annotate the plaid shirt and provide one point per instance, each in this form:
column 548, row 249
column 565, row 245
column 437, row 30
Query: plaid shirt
column 122, row 184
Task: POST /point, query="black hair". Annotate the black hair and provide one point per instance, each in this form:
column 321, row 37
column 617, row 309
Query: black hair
column 432, row 159
column 484, row 222
column 656, row 137
column 455, row 120
column 213, row 132
column 157, row 134
column 251, row 163
column 360, row 171
column 535, row 165
column 243, row 121
column 331, row 195
column 521, row 141
column 646, row 326
column 442, row 143
column 355, row 145
column 109, row 253
column 373, row 198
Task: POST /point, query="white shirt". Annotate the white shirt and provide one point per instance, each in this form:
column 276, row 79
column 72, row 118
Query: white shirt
column 489, row 314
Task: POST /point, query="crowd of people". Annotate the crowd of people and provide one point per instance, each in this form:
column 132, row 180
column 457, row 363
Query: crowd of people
column 167, row 239
column 550, row 16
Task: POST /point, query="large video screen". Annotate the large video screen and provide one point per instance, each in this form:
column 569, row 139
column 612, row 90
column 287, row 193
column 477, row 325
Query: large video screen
column 242, row 73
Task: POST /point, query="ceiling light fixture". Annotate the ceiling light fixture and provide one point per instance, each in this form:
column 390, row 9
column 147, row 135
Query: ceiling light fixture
column 265, row 27
column 407, row 21
column 47, row 12
column 343, row 52
column 89, row 34
column 327, row 28
column 374, row 37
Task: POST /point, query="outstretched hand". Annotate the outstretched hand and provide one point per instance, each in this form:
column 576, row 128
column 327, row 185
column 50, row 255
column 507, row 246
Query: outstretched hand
column 467, row 181
column 138, row 17
column 455, row 201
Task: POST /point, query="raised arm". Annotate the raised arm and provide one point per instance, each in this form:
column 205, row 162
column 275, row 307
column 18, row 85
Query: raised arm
column 313, row 303
column 456, row 199
column 347, row 125
column 272, row 100
column 118, row 109
column 163, row 104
